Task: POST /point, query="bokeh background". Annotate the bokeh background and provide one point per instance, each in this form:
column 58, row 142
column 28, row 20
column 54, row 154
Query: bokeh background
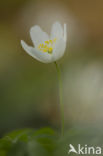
column 29, row 89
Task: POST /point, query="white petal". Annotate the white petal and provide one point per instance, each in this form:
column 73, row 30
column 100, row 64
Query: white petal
column 27, row 48
column 38, row 36
column 40, row 56
column 59, row 49
column 65, row 32
column 57, row 31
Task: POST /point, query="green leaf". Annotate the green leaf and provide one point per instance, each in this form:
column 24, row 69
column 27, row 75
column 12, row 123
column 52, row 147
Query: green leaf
column 42, row 131
column 3, row 153
column 46, row 137
column 22, row 135
column 29, row 142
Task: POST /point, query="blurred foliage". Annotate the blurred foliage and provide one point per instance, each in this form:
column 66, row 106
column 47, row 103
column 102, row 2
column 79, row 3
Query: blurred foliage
column 28, row 142
column 46, row 141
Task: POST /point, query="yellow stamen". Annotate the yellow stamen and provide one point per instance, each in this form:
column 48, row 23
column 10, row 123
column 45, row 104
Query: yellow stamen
column 55, row 39
column 50, row 50
column 45, row 50
column 42, row 45
column 39, row 46
column 47, row 42
column 51, row 41
column 45, row 46
column 48, row 46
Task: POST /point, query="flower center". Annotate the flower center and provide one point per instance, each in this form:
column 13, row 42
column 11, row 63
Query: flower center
column 47, row 46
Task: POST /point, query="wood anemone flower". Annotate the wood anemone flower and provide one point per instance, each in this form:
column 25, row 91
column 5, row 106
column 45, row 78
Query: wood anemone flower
column 47, row 48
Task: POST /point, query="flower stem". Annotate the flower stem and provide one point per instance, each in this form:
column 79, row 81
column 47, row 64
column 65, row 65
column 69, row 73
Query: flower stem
column 61, row 98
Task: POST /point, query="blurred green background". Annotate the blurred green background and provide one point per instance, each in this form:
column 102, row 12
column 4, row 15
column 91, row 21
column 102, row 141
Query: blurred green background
column 28, row 88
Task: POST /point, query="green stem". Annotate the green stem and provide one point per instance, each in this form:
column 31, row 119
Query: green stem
column 61, row 98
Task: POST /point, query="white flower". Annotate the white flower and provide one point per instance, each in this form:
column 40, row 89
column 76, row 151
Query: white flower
column 47, row 49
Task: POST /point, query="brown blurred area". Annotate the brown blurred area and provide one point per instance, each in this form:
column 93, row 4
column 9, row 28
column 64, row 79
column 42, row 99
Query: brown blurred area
column 88, row 13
